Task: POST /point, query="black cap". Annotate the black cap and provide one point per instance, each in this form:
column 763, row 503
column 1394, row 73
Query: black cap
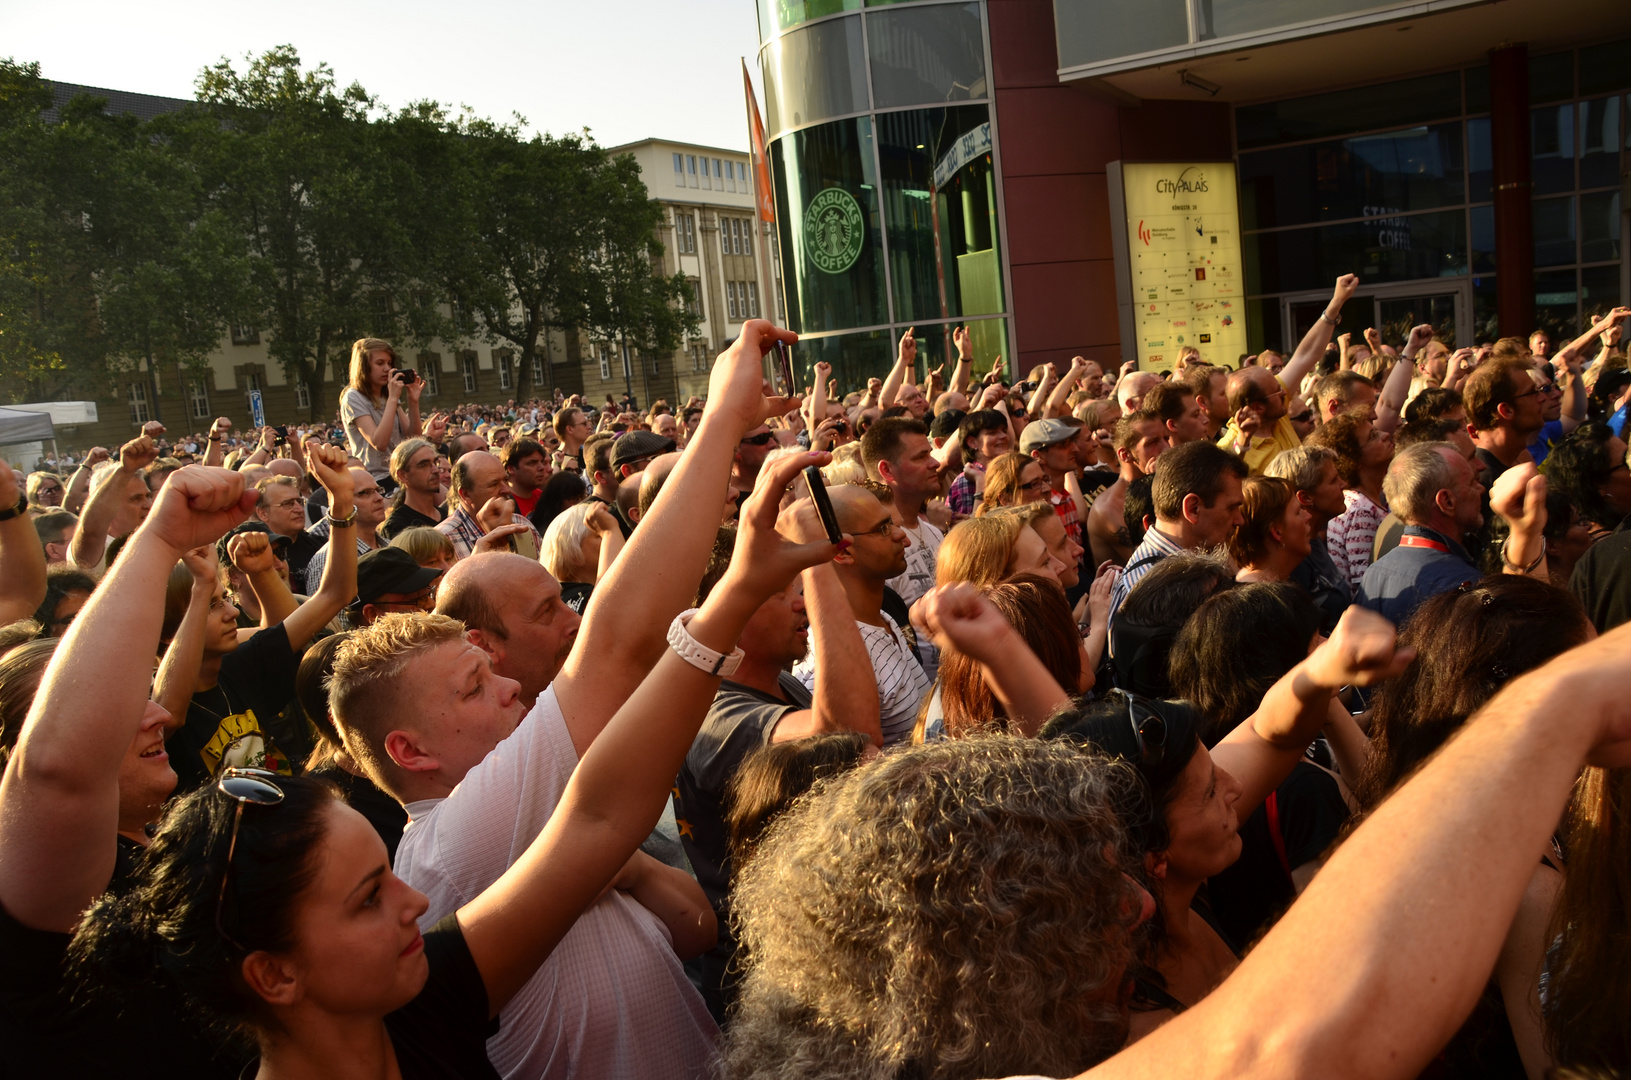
column 391, row 570
column 634, row 445
column 946, row 422
column 280, row 543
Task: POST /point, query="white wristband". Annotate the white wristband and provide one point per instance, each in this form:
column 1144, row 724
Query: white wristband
column 698, row 655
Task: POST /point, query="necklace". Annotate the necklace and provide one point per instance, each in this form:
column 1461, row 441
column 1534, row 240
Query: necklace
column 224, row 697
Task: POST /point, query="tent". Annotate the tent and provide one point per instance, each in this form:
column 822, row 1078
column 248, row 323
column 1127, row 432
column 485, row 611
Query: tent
column 18, row 426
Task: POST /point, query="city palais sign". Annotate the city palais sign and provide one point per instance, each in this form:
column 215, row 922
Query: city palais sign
column 833, row 234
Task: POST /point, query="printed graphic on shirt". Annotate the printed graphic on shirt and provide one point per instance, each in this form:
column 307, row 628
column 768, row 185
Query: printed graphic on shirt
column 239, row 743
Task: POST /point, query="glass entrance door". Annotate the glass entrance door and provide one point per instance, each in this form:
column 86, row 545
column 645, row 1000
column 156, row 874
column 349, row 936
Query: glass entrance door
column 1446, row 306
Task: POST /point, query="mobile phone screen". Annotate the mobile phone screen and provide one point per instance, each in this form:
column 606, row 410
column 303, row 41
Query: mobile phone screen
column 823, row 504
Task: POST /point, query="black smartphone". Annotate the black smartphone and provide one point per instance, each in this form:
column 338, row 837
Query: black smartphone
column 781, row 373
column 282, row 433
column 823, row 505
column 409, row 376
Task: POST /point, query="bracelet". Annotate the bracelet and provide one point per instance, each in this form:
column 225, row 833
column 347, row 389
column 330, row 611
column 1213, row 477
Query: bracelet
column 1509, row 564
column 340, row 523
column 1326, row 315
column 20, row 508
column 698, row 655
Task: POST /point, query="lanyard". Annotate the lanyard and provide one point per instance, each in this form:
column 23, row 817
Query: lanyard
column 1422, row 542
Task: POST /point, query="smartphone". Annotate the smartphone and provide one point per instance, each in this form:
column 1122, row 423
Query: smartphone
column 282, row 433
column 781, row 373
column 823, row 505
column 409, row 376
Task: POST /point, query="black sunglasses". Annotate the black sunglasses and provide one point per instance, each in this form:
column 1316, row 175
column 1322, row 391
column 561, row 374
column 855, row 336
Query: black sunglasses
column 242, row 786
column 1150, row 731
column 761, row 438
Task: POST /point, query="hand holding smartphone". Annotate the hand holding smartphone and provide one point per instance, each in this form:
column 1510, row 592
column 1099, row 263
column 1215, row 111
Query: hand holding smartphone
column 781, row 372
column 823, row 504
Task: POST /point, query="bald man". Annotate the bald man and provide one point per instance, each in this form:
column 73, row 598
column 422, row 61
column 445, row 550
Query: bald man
column 1260, row 426
column 512, row 608
column 1132, row 388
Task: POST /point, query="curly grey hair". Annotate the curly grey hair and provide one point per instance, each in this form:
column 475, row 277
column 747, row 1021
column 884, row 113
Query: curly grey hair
column 956, row 909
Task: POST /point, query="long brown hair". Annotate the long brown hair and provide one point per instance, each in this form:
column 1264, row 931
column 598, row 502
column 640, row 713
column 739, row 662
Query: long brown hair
column 1002, row 482
column 360, row 350
column 1035, row 606
column 1588, row 1001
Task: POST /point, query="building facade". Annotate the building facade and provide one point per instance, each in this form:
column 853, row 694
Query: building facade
column 941, row 161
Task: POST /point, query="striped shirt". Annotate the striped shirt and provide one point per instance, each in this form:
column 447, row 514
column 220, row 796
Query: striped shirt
column 465, row 531
column 1155, row 547
column 1352, row 536
column 901, row 682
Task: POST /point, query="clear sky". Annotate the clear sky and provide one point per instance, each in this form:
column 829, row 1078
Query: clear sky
column 626, row 69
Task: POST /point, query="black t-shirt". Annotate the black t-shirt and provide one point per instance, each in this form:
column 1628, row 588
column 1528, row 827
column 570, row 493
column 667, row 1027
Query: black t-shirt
column 1250, row 895
column 403, row 516
column 384, row 813
column 1602, row 580
column 44, row 1034
column 1094, row 481
column 442, row 1034
column 300, row 552
column 575, row 595
column 740, row 720
column 242, row 719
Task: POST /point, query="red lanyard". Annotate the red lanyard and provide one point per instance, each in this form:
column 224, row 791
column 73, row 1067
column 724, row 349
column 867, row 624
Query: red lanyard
column 1422, row 542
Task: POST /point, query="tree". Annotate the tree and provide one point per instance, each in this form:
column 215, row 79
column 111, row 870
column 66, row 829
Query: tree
column 300, row 169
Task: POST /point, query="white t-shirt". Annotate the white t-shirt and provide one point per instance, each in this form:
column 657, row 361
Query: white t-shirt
column 923, row 544
column 901, row 682
column 352, row 405
column 612, row 1000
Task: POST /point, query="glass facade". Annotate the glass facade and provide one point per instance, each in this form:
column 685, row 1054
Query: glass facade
column 884, row 159
column 1394, row 184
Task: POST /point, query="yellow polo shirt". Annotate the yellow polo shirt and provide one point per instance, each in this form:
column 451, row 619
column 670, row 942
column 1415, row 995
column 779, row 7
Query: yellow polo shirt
column 1263, row 448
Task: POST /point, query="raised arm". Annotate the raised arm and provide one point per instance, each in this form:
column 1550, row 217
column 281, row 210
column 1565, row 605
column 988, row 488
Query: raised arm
column 59, row 799
column 603, row 523
column 1312, row 346
column 841, row 702
column 91, row 538
column 22, row 559
column 962, row 376
column 215, row 442
column 79, row 484
column 905, row 358
column 1519, row 497
column 339, row 584
column 1262, row 751
column 177, row 678
column 962, row 619
column 1058, row 403
column 1390, row 402
column 618, row 790
column 1379, row 962
column 656, row 576
column 379, row 435
column 1044, row 390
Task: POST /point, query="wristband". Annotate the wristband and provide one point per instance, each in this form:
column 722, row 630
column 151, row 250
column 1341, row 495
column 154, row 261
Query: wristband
column 1509, row 564
column 340, row 523
column 698, row 655
column 1326, row 315
column 20, row 508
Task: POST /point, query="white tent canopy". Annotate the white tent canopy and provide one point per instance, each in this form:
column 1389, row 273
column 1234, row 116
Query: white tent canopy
column 18, row 426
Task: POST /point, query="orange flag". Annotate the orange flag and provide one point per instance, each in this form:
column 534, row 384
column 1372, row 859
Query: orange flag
column 761, row 160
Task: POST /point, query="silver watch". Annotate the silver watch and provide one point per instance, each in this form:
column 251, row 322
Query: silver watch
column 698, row 655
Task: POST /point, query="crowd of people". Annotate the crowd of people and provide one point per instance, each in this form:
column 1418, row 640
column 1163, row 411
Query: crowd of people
column 1234, row 720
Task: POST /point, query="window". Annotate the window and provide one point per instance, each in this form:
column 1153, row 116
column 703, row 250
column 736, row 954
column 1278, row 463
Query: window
column 699, row 358
column 685, row 233
column 252, row 385
column 679, row 170
column 604, row 355
column 198, row 399
column 730, row 298
column 730, row 176
column 138, row 404
column 506, row 370
column 467, row 364
column 749, row 292
column 430, row 367
column 302, row 396
column 537, row 371
column 691, row 167
column 245, row 335
column 719, row 175
column 693, row 297
column 725, row 235
column 655, row 364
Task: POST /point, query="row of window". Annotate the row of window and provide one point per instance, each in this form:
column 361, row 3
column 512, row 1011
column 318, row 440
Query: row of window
column 736, row 236
column 710, row 174
column 742, row 299
column 604, row 354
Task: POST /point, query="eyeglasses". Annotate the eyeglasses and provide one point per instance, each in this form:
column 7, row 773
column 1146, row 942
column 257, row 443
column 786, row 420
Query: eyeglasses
column 760, row 439
column 242, row 786
column 1150, row 731
column 420, row 601
column 1526, row 393
column 886, row 527
column 1302, row 418
column 1039, row 484
column 288, row 504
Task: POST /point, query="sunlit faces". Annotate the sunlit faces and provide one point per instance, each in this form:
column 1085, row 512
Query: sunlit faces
column 1326, row 497
column 221, row 625
column 1201, row 820
column 1191, row 425
column 1063, row 550
column 1033, row 484
column 1154, row 439
column 1030, row 554
column 1213, row 524
column 282, row 509
column 358, row 948
column 456, row 708
column 916, row 475
column 1295, row 530
column 145, row 775
column 380, row 363
column 780, row 629
column 539, row 627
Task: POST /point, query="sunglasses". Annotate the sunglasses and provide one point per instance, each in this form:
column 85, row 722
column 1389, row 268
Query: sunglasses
column 242, row 786
column 1150, row 731
column 760, row 439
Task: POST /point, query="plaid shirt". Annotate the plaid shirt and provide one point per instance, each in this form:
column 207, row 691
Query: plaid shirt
column 464, row 530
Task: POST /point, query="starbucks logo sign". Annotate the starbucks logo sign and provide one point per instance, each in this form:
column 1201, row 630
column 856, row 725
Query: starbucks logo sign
column 833, row 233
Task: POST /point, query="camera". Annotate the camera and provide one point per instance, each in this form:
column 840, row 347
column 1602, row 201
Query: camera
column 282, row 433
column 409, row 376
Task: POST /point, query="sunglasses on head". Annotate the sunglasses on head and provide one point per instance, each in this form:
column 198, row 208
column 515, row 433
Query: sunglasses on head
column 1149, row 730
column 242, row 786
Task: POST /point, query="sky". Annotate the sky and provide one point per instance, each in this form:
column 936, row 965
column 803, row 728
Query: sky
column 625, row 69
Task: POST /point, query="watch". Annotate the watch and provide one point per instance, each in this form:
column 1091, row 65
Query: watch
column 697, row 654
column 22, row 508
column 1326, row 315
column 340, row 523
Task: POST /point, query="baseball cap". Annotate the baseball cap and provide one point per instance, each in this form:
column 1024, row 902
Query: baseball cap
column 280, row 543
column 634, row 445
column 1040, row 433
column 391, row 570
column 945, row 423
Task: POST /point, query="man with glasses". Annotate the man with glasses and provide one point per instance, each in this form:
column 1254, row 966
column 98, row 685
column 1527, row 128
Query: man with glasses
column 1505, row 411
column 283, row 511
column 370, row 503
column 897, row 454
column 1052, row 444
column 56, row 532
column 750, row 455
column 877, row 554
column 574, row 428
column 1139, row 439
column 388, row 580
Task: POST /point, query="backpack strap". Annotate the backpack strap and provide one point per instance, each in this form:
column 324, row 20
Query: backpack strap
column 1271, row 807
